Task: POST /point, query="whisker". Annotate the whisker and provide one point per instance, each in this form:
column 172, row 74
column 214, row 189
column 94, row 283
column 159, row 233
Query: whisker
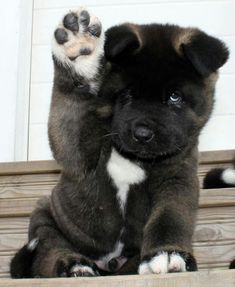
column 178, row 148
column 110, row 134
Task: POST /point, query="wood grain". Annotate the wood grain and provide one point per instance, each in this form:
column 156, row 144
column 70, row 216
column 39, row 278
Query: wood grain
column 23, row 206
column 43, row 166
column 217, row 197
column 50, row 166
column 194, row 279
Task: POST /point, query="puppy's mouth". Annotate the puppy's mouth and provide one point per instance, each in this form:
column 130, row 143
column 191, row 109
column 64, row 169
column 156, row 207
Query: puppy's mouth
column 144, row 153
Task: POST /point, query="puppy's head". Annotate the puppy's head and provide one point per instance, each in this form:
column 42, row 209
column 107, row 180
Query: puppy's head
column 164, row 94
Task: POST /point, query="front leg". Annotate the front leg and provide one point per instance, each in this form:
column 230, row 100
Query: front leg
column 77, row 115
column 168, row 233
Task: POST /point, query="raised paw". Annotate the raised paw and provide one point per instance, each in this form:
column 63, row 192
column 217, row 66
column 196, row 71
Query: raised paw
column 76, row 267
column 78, row 43
column 166, row 262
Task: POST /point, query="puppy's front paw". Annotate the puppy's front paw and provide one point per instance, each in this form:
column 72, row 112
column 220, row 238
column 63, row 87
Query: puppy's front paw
column 78, row 43
column 166, row 262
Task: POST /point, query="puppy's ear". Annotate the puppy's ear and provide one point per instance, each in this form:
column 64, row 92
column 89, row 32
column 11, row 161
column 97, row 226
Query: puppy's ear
column 121, row 42
column 205, row 53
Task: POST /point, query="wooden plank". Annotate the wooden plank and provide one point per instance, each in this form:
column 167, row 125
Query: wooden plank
column 203, row 264
column 216, row 214
column 217, row 197
column 23, row 206
column 25, row 190
column 218, row 252
column 4, row 275
column 14, row 225
column 39, row 187
column 219, row 156
column 16, row 207
column 44, row 166
column 210, row 234
column 29, row 179
column 4, row 264
column 50, row 166
column 189, row 279
column 12, row 242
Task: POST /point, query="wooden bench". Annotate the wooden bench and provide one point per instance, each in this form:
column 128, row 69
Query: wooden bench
column 23, row 183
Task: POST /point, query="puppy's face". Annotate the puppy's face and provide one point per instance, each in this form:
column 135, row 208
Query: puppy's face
column 165, row 92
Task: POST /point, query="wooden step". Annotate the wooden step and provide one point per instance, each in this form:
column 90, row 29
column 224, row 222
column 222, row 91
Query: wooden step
column 23, row 183
column 225, row 278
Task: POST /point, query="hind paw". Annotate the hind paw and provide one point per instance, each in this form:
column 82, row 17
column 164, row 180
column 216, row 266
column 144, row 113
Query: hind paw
column 76, row 266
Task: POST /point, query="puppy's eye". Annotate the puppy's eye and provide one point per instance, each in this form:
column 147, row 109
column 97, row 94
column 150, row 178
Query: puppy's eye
column 175, row 97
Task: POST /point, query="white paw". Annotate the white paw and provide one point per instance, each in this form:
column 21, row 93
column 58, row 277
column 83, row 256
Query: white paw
column 78, row 43
column 82, row 270
column 163, row 263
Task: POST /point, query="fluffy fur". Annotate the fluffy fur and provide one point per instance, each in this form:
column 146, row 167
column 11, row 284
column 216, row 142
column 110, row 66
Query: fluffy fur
column 124, row 123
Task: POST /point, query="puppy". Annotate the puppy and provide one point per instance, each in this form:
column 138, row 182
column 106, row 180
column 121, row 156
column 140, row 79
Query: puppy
column 126, row 112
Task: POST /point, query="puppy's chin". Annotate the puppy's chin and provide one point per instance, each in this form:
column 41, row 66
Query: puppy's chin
column 144, row 153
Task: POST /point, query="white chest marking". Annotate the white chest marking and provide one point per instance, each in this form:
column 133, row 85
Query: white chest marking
column 124, row 173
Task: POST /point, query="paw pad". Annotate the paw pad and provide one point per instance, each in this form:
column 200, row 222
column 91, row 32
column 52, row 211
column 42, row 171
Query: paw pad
column 78, row 43
column 71, row 22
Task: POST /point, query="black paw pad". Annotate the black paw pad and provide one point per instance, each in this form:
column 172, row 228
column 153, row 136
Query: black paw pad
column 84, row 18
column 61, row 36
column 71, row 22
column 95, row 30
column 85, row 51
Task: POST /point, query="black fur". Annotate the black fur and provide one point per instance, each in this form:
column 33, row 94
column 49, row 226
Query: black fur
column 232, row 265
column 21, row 263
column 204, row 60
column 147, row 82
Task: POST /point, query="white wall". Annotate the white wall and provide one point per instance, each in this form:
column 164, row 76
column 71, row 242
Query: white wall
column 9, row 35
column 216, row 17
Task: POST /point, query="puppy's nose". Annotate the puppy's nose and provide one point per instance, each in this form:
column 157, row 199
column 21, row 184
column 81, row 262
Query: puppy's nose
column 143, row 134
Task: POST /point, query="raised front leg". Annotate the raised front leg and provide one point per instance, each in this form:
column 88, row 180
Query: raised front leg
column 76, row 121
column 168, row 233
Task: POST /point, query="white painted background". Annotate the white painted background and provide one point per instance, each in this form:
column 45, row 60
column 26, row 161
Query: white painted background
column 26, row 87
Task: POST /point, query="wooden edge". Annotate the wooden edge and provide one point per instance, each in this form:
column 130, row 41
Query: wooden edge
column 219, row 278
column 29, row 167
column 217, row 156
column 50, row 166
column 217, row 197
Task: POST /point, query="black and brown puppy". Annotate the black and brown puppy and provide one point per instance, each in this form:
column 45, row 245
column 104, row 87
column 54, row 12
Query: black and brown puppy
column 125, row 117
